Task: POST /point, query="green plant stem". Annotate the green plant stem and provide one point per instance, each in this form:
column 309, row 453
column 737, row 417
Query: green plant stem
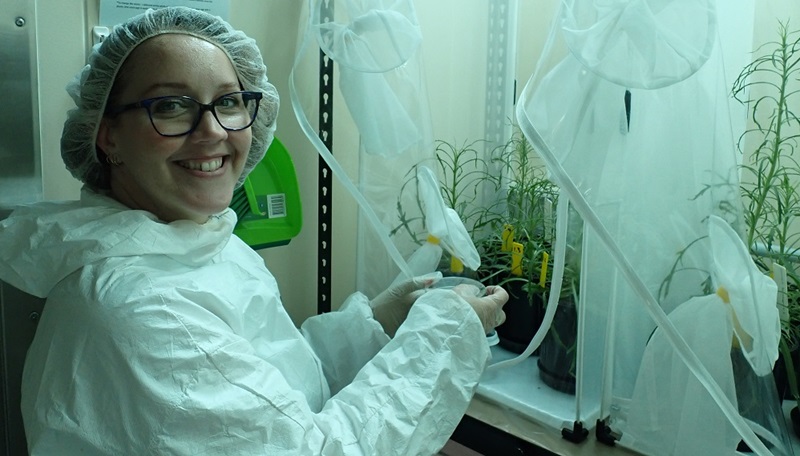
column 775, row 152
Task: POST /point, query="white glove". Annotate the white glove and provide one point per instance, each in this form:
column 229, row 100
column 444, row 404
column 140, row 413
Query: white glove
column 488, row 307
column 390, row 308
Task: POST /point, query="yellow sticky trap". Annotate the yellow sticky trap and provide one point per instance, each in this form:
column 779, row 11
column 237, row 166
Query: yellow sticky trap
column 543, row 272
column 516, row 258
column 508, row 238
column 456, row 266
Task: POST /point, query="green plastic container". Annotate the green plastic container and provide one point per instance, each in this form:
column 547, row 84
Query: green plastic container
column 268, row 204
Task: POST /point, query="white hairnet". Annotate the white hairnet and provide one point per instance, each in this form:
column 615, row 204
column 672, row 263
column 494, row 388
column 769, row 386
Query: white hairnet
column 91, row 87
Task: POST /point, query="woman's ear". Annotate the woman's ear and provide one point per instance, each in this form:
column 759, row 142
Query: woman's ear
column 105, row 137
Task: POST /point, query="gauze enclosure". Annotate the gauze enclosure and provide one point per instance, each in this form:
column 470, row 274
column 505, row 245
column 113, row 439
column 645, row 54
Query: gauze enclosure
column 629, row 109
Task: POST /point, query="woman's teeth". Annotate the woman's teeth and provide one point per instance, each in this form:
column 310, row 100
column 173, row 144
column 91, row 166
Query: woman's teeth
column 205, row 166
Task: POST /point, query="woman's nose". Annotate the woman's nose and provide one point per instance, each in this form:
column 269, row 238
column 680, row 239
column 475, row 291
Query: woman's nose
column 209, row 127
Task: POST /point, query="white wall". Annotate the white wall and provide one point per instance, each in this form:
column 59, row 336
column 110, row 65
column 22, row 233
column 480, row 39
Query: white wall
column 61, row 41
column 454, row 37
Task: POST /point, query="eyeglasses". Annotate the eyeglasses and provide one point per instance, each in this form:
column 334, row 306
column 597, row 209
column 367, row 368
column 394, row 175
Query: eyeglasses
column 180, row 115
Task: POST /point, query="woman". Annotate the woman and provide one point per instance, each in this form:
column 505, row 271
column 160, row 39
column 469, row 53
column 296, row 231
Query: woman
column 162, row 332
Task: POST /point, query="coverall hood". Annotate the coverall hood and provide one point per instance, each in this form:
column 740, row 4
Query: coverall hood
column 46, row 242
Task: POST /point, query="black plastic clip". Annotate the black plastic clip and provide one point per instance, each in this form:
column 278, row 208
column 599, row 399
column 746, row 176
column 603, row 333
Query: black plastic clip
column 575, row 435
column 604, row 434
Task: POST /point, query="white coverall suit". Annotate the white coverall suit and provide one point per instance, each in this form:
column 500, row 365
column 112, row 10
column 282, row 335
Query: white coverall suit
column 171, row 339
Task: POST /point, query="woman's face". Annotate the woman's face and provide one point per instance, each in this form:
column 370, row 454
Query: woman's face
column 186, row 177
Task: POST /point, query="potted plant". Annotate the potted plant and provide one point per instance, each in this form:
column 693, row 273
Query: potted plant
column 514, row 237
column 770, row 181
column 505, row 200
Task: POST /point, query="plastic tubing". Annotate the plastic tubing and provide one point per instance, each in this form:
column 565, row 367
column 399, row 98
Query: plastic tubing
column 337, row 170
column 559, row 255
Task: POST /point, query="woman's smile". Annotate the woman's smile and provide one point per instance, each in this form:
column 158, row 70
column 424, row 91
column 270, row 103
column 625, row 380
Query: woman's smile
column 204, row 165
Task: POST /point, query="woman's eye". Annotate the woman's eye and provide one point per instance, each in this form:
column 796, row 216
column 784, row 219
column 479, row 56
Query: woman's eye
column 171, row 106
column 229, row 101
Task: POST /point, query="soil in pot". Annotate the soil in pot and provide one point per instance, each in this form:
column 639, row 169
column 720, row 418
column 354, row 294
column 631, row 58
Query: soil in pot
column 557, row 353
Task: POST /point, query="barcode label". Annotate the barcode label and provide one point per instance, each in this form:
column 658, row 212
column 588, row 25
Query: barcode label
column 276, row 205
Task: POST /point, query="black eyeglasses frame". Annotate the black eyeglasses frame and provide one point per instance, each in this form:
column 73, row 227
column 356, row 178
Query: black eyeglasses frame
column 247, row 95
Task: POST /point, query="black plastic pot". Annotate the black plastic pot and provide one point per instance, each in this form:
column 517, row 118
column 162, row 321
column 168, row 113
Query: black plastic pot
column 557, row 353
column 794, row 414
column 523, row 318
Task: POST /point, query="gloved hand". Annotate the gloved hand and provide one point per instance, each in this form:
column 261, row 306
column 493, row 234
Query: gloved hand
column 488, row 307
column 391, row 307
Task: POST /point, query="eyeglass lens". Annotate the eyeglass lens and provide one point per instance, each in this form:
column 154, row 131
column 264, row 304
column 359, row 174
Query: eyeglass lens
column 173, row 116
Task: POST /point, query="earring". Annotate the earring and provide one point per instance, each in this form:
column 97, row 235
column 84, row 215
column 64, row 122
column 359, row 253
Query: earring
column 113, row 159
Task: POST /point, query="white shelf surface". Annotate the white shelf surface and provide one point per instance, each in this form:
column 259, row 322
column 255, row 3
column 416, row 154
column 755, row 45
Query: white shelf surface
column 520, row 388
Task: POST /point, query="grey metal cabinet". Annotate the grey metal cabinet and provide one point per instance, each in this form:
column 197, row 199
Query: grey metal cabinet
column 19, row 313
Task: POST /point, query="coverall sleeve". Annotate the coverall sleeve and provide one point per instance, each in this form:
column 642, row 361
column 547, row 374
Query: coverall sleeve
column 413, row 393
column 359, row 337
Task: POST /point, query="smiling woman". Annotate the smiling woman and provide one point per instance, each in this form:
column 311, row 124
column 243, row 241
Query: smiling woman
column 203, row 61
column 177, row 166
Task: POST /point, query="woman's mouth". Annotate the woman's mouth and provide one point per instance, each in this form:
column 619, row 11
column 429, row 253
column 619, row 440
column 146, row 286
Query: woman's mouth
column 206, row 166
